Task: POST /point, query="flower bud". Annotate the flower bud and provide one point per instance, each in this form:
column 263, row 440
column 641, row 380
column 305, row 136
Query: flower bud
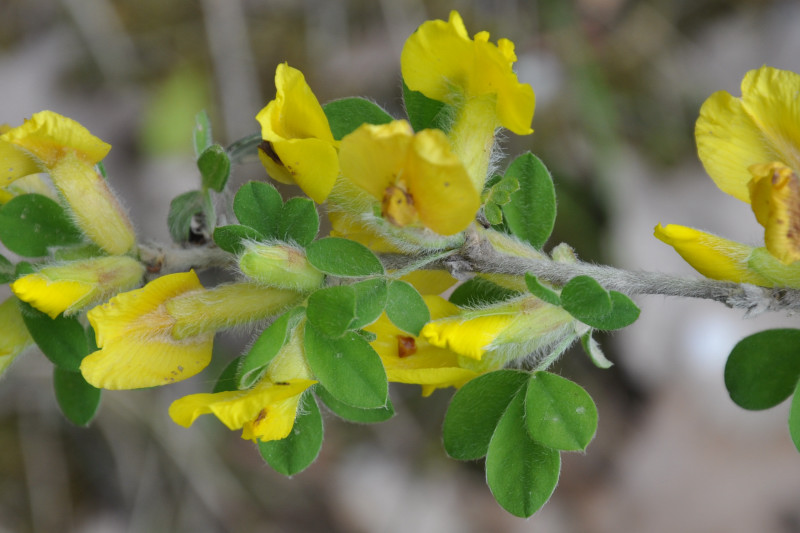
column 70, row 287
column 279, row 265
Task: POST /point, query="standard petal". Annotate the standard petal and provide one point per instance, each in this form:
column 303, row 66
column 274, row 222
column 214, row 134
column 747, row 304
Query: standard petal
column 712, row 256
column 373, row 156
column 311, row 163
column 775, row 194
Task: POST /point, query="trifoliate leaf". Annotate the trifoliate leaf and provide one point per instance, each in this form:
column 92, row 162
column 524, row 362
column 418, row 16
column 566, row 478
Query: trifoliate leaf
column 520, row 472
column 406, row 308
column 77, row 399
column 182, row 210
column 763, row 369
column 343, row 257
column 476, row 409
column 559, row 414
column 347, row 114
column 348, row 368
column 31, row 223
column 585, row 299
column 531, row 211
column 298, row 450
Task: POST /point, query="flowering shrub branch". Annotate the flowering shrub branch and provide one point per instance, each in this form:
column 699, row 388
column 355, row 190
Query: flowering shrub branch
column 418, row 208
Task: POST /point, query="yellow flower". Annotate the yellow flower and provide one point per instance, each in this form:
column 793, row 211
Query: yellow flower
column 416, row 180
column 14, row 336
column 68, row 152
column 164, row 332
column 508, row 330
column 134, row 334
column 409, row 359
column 298, row 146
column 443, row 63
column 750, row 146
column 475, row 77
column 71, row 287
column 265, row 412
column 712, row 256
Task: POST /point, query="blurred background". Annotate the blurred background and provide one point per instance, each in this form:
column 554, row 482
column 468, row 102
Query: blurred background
column 618, row 83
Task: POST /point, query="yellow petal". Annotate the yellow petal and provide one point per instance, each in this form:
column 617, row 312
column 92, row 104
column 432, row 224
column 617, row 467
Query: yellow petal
column 300, row 147
column 47, row 136
column 468, row 337
column 134, row 334
column 430, row 281
column 14, row 336
column 763, row 126
column 14, row 163
column 51, row 297
column 775, row 196
column 431, row 378
column 373, row 156
column 442, row 62
column 712, row 256
column 442, row 190
column 343, row 225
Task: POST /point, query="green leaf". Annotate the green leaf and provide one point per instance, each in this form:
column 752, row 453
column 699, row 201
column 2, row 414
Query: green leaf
column 202, row 133
column 520, row 472
column 348, row 368
column 406, row 308
column 254, row 363
column 475, row 411
column 332, row 310
column 501, row 191
column 493, row 213
column 7, row 270
column 31, row 223
column 77, row 399
column 354, row 414
column 763, row 369
column 531, row 213
column 480, row 291
column 794, row 417
column 227, row 381
column 347, row 114
column 299, row 221
column 182, row 210
column 259, row 205
column 371, row 297
column 62, row 340
column 592, row 349
column 215, row 167
column 424, row 113
column 559, row 414
column 589, row 302
column 546, row 294
column 230, row 238
column 297, row 451
column 343, row 257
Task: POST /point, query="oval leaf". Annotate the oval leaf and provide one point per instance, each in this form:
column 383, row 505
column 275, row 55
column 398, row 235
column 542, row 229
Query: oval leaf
column 480, row 291
column 343, row 257
column 348, row 368
column 259, row 206
column 406, row 308
column 77, row 399
column 299, row 221
column 215, row 167
column 230, row 238
column 269, row 343
column 559, row 414
column 182, row 210
column 297, row 451
column 531, row 212
column 332, row 310
column 371, row 297
column 583, row 297
column 546, row 294
column 347, row 114
column 354, row 414
column 31, row 223
column 521, row 473
column 763, row 369
column 475, row 411
column 424, row 113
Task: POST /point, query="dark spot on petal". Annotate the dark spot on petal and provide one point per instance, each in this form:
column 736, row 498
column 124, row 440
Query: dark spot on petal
column 406, row 346
column 266, row 147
